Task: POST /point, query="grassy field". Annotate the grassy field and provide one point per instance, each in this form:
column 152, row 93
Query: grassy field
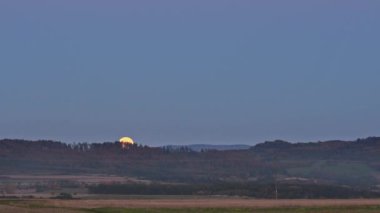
column 356, row 209
column 190, row 206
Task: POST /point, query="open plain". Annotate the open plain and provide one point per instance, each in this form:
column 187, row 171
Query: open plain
column 190, row 205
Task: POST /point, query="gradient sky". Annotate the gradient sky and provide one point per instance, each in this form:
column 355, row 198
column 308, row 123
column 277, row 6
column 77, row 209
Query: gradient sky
column 180, row 72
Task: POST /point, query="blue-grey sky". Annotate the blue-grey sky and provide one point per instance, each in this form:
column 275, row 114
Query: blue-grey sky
column 180, row 72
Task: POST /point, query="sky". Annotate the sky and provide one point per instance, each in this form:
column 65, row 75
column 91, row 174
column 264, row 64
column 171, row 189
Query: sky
column 185, row 72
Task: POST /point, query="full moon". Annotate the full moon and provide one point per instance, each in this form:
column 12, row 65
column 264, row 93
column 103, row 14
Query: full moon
column 126, row 140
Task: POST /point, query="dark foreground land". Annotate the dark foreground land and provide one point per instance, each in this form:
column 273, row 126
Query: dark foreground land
column 47, row 176
column 191, row 205
column 349, row 163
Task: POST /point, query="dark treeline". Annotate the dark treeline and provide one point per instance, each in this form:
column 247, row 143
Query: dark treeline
column 248, row 189
column 353, row 163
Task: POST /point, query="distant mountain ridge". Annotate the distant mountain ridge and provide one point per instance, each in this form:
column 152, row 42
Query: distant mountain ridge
column 208, row 147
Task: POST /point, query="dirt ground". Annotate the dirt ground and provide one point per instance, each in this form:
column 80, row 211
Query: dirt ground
column 207, row 203
column 191, row 205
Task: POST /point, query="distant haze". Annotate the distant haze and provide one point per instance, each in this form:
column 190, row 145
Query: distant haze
column 185, row 72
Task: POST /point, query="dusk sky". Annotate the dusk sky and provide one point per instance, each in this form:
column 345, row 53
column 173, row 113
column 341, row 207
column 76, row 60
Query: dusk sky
column 183, row 72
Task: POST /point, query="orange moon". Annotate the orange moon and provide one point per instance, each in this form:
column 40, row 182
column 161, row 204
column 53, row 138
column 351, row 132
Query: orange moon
column 126, row 140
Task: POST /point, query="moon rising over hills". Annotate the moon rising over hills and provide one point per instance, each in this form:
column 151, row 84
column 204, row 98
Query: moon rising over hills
column 125, row 141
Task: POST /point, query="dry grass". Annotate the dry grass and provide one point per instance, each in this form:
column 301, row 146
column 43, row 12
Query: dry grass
column 208, row 203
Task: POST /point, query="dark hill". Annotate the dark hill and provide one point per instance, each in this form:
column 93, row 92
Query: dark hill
column 354, row 163
column 209, row 147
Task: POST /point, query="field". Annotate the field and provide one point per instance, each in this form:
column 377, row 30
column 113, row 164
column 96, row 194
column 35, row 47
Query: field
column 46, row 186
column 190, row 205
column 35, row 194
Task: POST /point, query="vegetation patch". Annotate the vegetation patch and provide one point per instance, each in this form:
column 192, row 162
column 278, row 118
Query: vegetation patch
column 348, row 209
column 243, row 189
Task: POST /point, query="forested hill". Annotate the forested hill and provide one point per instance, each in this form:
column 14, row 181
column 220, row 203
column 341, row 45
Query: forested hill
column 209, row 147
column 344, row 162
